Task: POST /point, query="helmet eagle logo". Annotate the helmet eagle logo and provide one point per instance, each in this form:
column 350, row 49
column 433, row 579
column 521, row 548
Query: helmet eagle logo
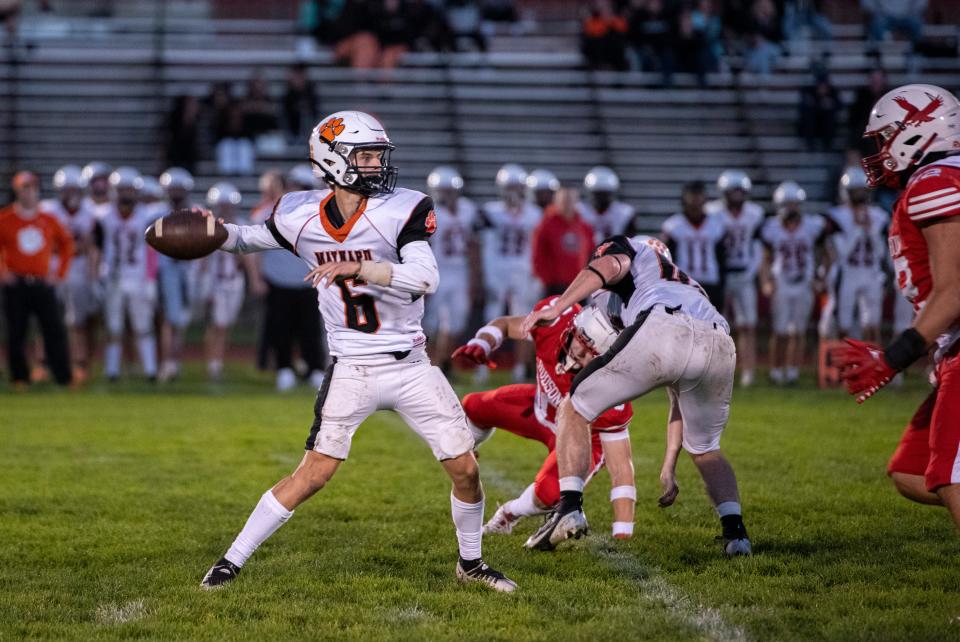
column 916, row 116
column 331, row 129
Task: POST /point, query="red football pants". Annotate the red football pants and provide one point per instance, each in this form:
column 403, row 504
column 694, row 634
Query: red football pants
column 931, row 442
column 511, row 408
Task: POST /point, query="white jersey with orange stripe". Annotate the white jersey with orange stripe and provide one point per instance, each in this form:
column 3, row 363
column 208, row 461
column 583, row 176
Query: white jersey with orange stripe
column 360, row 318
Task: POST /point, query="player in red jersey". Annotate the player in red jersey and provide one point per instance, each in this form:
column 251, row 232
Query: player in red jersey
column 529, row 410
column 917, row 128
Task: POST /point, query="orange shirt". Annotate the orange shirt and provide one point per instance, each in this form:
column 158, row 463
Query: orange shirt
column 27, row 244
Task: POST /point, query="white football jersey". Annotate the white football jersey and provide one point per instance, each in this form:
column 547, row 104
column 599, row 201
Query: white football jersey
column 360, row 319
column 80, row 223
column 742, row 251
column 126, row 255
column 100, row 211
column 612, row 222
column 508, row 235
column 655, row 280
column 455, row 230
column 695, row 247
column 861, row 243
column 793, row 250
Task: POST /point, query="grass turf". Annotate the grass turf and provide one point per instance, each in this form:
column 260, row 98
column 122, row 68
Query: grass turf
column 115, row 501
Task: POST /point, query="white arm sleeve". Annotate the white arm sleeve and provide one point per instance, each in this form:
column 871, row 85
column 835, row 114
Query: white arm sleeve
column 243, row 239
column 417, row 271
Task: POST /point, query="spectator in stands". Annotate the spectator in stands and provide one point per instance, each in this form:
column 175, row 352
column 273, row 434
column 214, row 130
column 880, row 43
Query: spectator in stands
column 696, row 40
column 706, row 20
column 235, row 151
column 182, row 132
column 463, row 17
column 29, row 239
column 900, row 16
column 433, row 32
column 800, row 14
column 650, row 33
column 763, row 38
column 10, row 18
column 357, row 45
column 562, row 243
column 603, row 40
column 299, row 103
column 859, row 114
column 259, row 110
column 216, row 109
column 819, row 107
column 395, row 33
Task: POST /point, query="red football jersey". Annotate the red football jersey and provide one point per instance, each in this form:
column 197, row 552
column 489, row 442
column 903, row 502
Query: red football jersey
column 552, row 385
column 932, row 193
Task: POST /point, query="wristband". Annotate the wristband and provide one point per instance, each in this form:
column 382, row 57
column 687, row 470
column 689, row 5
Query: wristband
column 485, row 346
column 905, row 349
column 597, row 272
column 623, row 529
column 494, row 332
column 623, row 492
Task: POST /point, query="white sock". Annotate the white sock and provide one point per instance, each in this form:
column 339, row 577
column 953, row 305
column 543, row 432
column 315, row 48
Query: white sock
column 111, row 359
column 524, row 506
column 148, row 354
column 728, row 508
column 572, row 483
column 215, row 367
column 468, row 518
column 520, row 372
column 793, row 374
column 266, row 518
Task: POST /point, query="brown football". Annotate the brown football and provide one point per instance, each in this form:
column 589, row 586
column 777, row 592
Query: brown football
column 186, row 234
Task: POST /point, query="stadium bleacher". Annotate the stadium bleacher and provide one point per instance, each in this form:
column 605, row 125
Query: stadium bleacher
column 88, row 88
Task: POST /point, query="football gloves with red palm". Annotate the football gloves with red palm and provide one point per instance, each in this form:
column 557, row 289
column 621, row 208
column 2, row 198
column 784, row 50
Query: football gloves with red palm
column 863, row 368
column 476, row 352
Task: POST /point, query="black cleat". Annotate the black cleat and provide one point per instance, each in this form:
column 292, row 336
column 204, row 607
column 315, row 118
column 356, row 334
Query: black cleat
column 558, row 527
column 219, row 575
column 483, row 574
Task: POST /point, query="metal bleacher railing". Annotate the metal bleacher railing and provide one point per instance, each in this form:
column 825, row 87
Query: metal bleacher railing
column 86, row 89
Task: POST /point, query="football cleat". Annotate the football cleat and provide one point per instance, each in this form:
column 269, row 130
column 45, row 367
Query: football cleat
column 219, row 575
column 736, row 547
column 557, row 528
column 485, row 575
column 501, row 523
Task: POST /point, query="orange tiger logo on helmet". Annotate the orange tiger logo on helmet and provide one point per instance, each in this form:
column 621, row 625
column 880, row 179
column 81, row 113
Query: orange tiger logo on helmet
column 331, row 129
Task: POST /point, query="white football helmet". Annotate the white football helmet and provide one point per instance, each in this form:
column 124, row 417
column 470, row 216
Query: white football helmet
column 907, row 124
column 126, row 178
column 659, row 246
column 68, row 177
column 601, row 179
column 788, row 192
column 151, row 188
column 593, row 330
column 854, row 178
column 176, row 178
column 542, row 179
column 223, row 193
column 444, row 177
column 302, row 177
column 95, row 170
column 511, row 175
column 731, row 179
column 332, row 143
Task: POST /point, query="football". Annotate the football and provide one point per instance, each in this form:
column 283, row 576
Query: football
column 186, row 234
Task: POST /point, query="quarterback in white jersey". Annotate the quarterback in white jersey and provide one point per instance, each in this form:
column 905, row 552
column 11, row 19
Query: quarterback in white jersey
column 673, row 338
column 130, row 271
column 792, row 241
column 80, row 291
column 603, row 212
column 696, row 240
column 455, row 246
column 861, row 254
column 366, row 244
column 743, row 252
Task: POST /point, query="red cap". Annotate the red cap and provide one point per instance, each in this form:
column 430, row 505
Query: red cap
column 22, row 179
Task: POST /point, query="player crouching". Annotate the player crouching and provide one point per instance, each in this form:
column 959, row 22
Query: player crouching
column 562, row 348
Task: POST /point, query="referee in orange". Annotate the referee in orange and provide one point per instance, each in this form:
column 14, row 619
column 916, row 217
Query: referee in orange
column 29, row 238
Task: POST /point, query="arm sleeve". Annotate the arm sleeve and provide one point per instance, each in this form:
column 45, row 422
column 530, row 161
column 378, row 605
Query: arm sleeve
column 243, row 239
column 417, row 271
column 420, row 226
column 933, row 195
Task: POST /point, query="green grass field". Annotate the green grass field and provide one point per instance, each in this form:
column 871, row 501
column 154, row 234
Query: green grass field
column 114, row 502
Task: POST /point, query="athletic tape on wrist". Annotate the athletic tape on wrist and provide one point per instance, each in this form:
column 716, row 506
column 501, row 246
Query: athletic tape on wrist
column 623, row 492
column 494, row 332
column 375, row 272
column 484, row 345
column 622, row 528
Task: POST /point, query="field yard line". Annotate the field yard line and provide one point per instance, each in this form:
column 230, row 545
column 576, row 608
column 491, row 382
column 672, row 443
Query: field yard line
column 704, row 619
